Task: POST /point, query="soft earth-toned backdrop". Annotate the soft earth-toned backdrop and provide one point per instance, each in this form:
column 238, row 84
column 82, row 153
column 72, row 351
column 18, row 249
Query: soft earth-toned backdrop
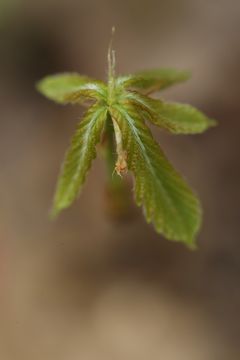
column 85, row 287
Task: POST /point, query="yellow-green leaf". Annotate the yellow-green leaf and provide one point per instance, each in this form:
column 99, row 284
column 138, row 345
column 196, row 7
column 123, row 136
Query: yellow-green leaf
column 71, row 88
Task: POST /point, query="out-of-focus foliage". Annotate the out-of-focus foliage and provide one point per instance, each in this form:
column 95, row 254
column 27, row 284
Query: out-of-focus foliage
column 7, row 7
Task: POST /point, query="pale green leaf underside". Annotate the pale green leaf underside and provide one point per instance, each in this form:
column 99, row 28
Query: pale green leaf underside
column 174, row 117
column 70, row 88
column 167, row 200
column 79, row 157
column 153, row 80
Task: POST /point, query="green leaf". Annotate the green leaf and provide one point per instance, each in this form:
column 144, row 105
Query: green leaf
column 79, row 157
column 153, row 80
column 166, row 199
column 182, row 119
column 71, row 88
column 174, row 117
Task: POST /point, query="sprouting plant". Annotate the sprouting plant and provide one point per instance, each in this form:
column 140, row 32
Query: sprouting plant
column 121, row 108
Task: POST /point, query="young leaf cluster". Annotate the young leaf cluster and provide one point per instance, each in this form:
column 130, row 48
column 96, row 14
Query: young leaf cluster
column 166, row 199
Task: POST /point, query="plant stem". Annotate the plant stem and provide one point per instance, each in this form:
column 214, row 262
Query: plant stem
column 111, row 69
column 117, row 191
column 110, row 148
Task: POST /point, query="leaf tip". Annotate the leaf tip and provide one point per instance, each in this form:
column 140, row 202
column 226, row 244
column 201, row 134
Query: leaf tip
column 193, row 246
column 53, row 213
column 39, row 86
column 213, row 123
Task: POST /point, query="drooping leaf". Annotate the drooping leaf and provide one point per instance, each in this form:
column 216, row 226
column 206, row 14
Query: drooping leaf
column 71, row 88
column 79, row 157
column 166, row 198
column 155, row 80
column 174, row 117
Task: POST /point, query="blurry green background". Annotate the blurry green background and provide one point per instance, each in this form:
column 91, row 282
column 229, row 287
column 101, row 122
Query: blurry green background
column 84, row 286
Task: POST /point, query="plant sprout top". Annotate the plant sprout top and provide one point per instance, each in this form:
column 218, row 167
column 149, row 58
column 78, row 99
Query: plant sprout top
column 166, row 199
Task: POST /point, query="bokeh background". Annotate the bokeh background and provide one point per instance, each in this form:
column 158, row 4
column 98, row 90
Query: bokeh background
column 87, row 286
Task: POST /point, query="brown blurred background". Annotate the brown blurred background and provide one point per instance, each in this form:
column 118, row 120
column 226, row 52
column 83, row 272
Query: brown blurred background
column 84, row 286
